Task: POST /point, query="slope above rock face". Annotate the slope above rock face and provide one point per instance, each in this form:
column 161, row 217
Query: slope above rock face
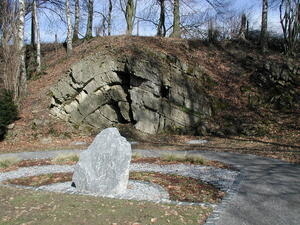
column 151, row 90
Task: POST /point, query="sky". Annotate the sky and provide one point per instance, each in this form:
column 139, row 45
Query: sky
column 51, row 24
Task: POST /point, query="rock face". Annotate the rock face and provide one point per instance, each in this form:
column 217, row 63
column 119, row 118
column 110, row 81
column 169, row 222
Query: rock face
column 153, row 91
column 279, row 84
column 104, row 167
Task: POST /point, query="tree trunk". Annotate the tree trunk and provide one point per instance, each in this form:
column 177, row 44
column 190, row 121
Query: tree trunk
column 264, row 26
column 299, row 13
column 76, row 22
column 33, row 24
column 176, row 20
column 289, row 19
column 89, row 26
column 130, row 16
column 161, row 29
column 110, row 8
column 69, row 27
column 20, row 84
column 242, row 33
column 35, row 36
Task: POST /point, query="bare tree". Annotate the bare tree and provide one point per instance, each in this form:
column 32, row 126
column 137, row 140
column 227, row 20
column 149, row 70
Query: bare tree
column 176, row 20
column 100, row 29
column 130, row 15
column 243, row 28
column 109, row 17
column 264, row 26
column 21, row 77
column 161, row 28
column 35, row 35
column 69, row 27
column 76, row 21
column 9, row 49
column 89, row 26
column 290, row 23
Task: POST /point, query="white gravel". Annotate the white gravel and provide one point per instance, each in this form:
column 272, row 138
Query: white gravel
column 136, row 190
column 197, row 142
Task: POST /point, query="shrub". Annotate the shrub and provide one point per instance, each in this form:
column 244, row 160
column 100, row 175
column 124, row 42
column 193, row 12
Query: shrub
column 8, row 111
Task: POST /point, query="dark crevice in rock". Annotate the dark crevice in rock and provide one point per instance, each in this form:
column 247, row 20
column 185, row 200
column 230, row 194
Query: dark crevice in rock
column 165, row 91
column 78, row 109
column 78, row 89
column 114, row 84
column 72, row 78
column 57, row 102
column 151, row 109
column 126, row 77
column 116, row 108
column 98, row 89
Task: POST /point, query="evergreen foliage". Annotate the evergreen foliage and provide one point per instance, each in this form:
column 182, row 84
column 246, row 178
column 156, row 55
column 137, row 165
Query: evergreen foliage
column 8, row 111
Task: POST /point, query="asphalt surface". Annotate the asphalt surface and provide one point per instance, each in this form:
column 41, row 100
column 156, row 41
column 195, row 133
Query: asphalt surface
column 267, row 194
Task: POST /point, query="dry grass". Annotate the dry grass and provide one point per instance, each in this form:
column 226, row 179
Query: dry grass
column 183, row 158
column 66, row 158
column 8, row 162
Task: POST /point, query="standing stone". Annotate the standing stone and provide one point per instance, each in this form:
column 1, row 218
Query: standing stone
column 104, row 167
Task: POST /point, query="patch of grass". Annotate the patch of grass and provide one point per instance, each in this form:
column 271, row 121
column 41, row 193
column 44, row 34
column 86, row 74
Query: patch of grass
column 183, row 158
column 7, row 162
column 136, row 155
column 66, row 158
column 32, row 207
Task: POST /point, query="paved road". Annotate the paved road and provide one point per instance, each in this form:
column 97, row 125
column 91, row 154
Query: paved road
column 268, row 193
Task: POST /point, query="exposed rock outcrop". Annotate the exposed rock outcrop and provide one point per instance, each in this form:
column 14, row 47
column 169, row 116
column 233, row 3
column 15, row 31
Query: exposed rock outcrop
column 279, row 83
column 152, row 91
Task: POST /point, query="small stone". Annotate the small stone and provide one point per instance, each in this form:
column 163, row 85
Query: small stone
column 78, row 143
column 196, row 142
column 153, row 220
column 11, row 126
column 104, row 167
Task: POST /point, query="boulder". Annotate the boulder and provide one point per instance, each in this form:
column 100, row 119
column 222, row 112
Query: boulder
column 104, row 167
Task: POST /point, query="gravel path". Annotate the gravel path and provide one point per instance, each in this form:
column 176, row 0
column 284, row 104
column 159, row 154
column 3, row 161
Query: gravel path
column 266, row 192
column 138, row 190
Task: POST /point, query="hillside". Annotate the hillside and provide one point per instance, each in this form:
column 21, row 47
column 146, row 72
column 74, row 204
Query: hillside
column 251, row 97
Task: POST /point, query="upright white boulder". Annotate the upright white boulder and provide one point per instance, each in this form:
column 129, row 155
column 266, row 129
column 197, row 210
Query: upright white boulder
column 104, row 167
